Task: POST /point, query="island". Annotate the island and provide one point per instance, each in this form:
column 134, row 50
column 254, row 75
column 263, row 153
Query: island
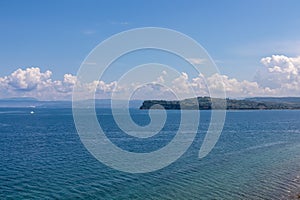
column 207, row 103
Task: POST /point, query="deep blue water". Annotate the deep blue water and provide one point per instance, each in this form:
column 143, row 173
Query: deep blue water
column 257, row 157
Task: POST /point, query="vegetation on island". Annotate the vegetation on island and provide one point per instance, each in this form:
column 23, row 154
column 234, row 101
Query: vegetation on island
column 207, row 103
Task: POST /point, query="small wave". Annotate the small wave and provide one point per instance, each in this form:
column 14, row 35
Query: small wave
column 4, row 125
column 265, row 145
column 11, row 112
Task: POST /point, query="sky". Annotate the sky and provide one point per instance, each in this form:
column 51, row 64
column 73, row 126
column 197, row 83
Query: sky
column 255, row 44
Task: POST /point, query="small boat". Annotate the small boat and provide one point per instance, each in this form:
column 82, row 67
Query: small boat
column 31, row 112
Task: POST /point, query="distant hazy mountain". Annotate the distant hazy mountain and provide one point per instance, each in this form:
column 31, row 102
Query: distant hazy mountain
column 204, row 103
column 19, row 99
column 32, row 102
column 275, row 99
column 106, row 103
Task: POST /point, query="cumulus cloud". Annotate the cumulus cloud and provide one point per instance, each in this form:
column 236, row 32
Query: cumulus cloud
column 236, row 88
column 31, row 82
column 279, row 76
column 28, row 79
column 196, row 61
column 66, row 85
column 202, row 86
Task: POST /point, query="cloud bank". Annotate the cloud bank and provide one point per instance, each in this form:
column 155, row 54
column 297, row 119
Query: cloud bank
column 279, row 76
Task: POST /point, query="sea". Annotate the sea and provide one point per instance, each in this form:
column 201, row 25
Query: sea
column 256, row 157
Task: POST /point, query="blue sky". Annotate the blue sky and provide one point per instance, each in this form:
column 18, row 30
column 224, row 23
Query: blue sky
column 58, row 35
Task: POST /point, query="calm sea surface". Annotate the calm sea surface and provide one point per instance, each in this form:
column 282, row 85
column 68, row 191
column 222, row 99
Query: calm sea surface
column 257, row 157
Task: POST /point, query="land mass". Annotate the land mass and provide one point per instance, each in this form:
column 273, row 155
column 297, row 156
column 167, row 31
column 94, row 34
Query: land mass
column 207, row 103
column 202, row 103
column 26, row 102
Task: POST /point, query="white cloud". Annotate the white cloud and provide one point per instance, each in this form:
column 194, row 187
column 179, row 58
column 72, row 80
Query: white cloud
column 197, row 61
column 65, row 86
column 281, row 73
column 89, row 32
column 31, row 82
column 122, row 23
column 28, row 79
column 235, row 88
column 278, row 77
column 181, row 84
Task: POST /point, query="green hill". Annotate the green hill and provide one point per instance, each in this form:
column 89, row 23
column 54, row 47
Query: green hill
column 205, row 103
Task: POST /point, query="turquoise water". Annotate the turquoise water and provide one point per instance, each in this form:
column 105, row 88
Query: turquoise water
column 257, row 157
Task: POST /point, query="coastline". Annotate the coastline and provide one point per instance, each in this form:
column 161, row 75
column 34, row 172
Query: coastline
column 208, row 103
